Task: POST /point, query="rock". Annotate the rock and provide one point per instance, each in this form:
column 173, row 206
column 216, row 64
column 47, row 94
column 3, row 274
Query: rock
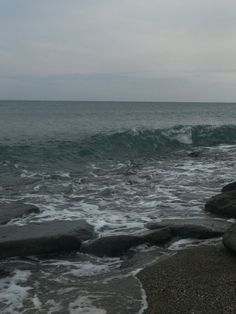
column 117, row 245
column 198, row 228
column 223, row 204
column 229, row 239
column 4, row 272
column 111, row 246
column 158, row 236
column 229, row 187
column 44, row 238
column 195, row 154
column 9, row 211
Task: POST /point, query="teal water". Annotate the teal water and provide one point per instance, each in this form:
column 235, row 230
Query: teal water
column 66, row 120
column 80, row 131
column 74, row 156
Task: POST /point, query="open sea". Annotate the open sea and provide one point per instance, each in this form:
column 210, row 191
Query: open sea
column 118, row 165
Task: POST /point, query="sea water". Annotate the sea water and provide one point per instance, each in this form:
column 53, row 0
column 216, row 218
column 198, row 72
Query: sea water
column 118, row 165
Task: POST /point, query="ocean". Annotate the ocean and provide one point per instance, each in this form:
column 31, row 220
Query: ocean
column 119, row 165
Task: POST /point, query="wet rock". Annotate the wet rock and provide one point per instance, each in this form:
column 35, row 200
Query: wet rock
column 9, row 211
column 159, row 236
column 117, row 245
column 229, row 239
column 223, row 204
column 195, row 154
column 229, row 187
column 193, row 228
column 44, row 238
column 4, row 272
column 111, row 246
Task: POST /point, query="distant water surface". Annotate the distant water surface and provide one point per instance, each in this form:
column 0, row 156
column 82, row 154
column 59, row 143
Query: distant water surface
column 20, row 119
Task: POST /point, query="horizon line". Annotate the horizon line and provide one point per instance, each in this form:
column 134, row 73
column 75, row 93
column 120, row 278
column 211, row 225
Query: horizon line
column 119, row 101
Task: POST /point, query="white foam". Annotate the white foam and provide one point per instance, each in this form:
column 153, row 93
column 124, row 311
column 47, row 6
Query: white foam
column 82, row 269
column 54, row 307
column 37, row 303
column 174, row 188
column 83, row 305
column 13, row 292
column 186, row 243
column 144, row 303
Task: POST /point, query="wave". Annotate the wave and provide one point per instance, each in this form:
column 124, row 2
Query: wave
column 122, row 144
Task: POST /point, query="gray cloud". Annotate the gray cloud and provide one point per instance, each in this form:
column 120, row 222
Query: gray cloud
column 128, row 49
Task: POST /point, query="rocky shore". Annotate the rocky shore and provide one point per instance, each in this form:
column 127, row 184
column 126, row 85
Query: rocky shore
column 201, row 279
column 197, row 280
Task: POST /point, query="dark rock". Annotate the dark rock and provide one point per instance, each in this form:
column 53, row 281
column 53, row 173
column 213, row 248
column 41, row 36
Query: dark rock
column 158, row 236
column 195, row 154
column 223, row 204
column 4, row 272
column 229, row 239
column 111, row 245
column 15, row 210
column 44, row 238
column 229, row 187
column 198, row 228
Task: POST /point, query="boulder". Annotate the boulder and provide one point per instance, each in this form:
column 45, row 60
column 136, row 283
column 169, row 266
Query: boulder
column 158, row 236
column 111, row 246
column 223, row 204
column 198, row 228
column 9, row 211
column 229, row 187
column 118, row 244
column 229, row 239
column 43, row 238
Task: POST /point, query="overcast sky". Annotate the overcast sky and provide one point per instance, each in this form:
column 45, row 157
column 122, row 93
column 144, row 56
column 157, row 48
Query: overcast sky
column 153, row 50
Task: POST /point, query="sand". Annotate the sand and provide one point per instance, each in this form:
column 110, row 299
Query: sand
column 199, row 280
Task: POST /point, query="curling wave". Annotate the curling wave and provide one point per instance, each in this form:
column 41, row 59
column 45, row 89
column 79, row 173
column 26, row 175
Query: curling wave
column 122, row 144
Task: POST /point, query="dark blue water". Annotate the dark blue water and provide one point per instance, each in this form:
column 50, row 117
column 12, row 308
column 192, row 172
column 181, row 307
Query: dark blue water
column 69, row 120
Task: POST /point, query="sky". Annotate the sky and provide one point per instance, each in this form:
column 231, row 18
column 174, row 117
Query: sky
column 134, row 50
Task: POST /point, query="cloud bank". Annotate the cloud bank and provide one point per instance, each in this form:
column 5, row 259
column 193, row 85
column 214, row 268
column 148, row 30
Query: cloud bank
column 154, row 50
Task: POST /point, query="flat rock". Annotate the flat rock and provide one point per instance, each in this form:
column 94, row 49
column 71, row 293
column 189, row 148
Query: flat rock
column 158, row 236
column 229, row 239
column 229, row 187
column 111, row 245
column 197, row 280
column 9, row 211
column 43, row 238
column 223, row 204
column 198, row 228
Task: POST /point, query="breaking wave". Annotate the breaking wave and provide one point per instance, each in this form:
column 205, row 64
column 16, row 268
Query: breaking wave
column 121, row 144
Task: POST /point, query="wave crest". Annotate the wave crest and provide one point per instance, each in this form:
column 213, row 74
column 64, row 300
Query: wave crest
column 127, row 143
